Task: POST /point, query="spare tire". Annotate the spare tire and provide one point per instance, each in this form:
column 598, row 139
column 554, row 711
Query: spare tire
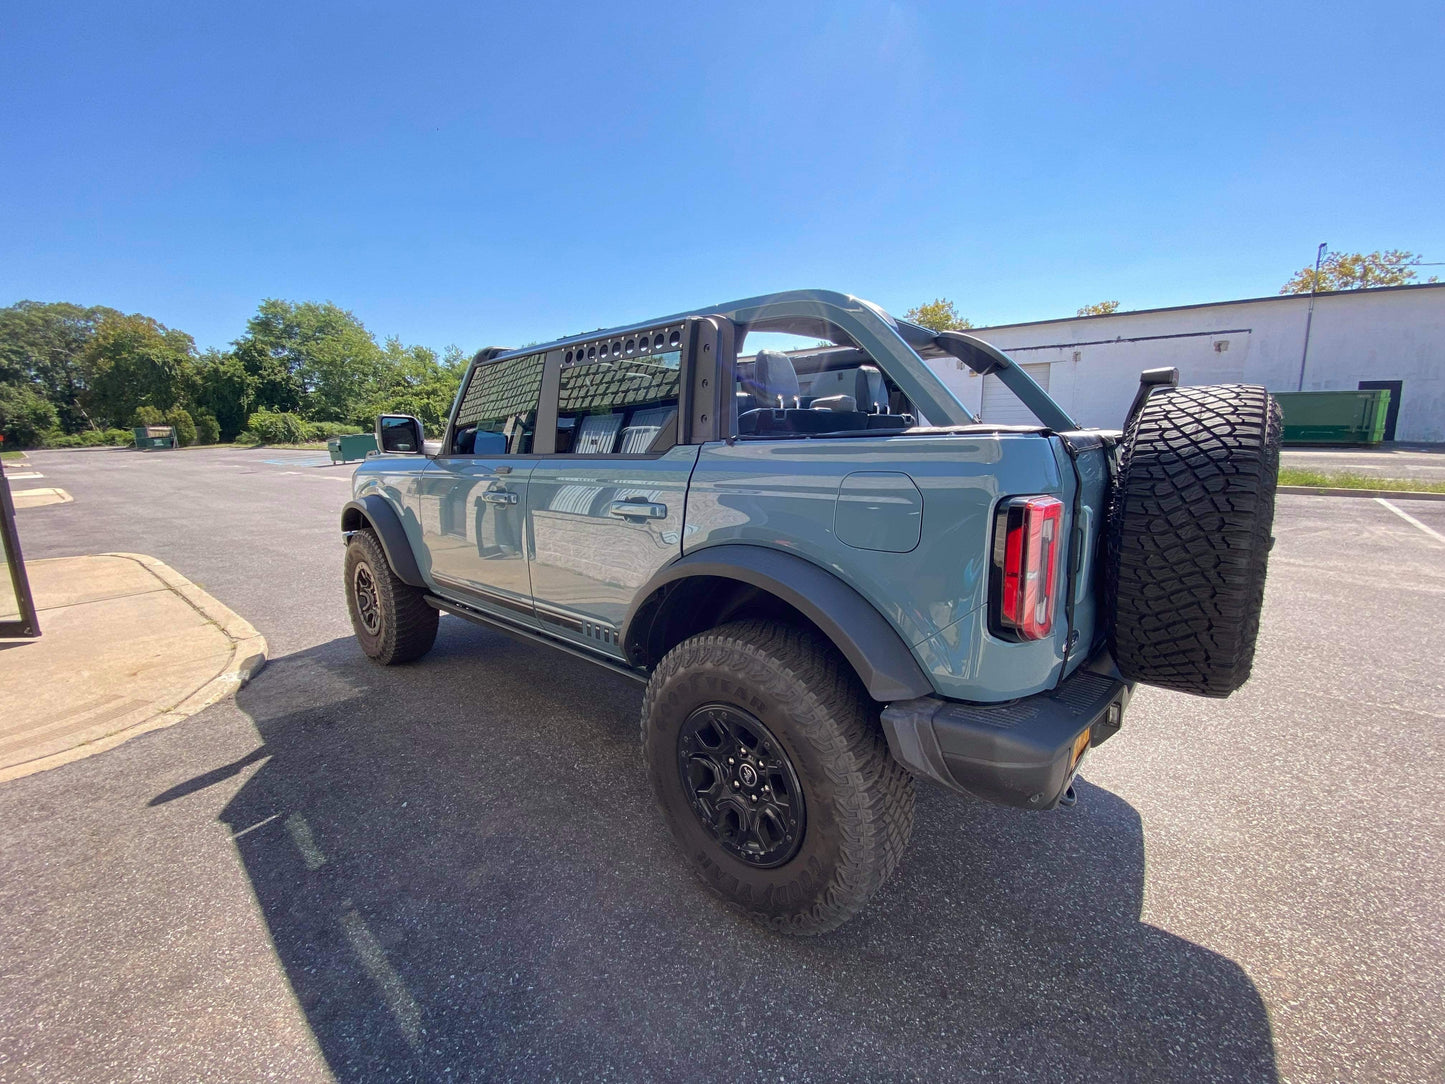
column 1189, row 536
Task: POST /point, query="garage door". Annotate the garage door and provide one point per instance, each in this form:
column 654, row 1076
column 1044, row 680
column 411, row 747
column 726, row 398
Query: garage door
column 1001, row 407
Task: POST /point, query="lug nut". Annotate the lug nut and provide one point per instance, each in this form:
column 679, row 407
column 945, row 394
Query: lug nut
column 754, row 797
column 731, row 760
column 735, row 784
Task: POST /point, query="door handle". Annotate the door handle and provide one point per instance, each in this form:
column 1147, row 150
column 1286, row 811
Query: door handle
column 498, row 496
column 640, row 509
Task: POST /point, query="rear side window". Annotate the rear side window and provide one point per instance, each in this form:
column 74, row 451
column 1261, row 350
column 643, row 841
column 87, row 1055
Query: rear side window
column 619, row 405
column 498, row 415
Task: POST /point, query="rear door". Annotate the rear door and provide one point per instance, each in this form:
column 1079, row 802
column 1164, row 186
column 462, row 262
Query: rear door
column 605, row 509
column 473, row 503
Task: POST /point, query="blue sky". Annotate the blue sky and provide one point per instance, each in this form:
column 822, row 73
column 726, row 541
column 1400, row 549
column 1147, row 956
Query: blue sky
column 503, row 173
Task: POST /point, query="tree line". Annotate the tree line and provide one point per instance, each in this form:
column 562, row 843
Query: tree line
column 71, row 374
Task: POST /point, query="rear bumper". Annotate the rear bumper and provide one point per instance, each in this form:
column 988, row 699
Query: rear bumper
column 1021, row 753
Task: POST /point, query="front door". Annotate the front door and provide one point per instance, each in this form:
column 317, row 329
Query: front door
column 605, row 510
column 474, row 503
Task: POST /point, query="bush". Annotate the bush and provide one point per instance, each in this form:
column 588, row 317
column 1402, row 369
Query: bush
column 148, row 415
column 87, row 438
column 185, row 427
column 25, row 416
column 271, row 427
column 327, row 430
column 208, row 430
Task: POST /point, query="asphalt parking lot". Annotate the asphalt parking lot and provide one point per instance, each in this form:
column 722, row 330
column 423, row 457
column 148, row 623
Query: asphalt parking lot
column 453, row 870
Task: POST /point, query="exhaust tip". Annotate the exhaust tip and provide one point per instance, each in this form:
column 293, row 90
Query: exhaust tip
column 1070, row 799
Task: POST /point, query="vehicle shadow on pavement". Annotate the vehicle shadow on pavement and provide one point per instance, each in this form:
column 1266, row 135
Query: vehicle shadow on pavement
column 464, row 875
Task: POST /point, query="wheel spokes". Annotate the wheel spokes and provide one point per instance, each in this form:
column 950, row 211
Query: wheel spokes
column 741, row 784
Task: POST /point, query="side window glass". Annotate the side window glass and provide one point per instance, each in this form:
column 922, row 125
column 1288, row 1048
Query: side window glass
column 614, row 400
column 498, row 415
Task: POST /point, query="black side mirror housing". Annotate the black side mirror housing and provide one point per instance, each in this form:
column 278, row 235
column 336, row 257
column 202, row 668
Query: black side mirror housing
column 400, row 434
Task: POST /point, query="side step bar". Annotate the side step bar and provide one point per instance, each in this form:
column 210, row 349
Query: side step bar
column 520, row 632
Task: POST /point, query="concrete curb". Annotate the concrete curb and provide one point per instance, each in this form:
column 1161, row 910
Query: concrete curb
column 248, row 656
column 39, row 498
column 1388, row 494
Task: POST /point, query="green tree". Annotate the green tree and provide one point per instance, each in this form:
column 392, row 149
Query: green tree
column 42, row 344
column 1099, row 308
column 25, row 415
column 225, row 391
column 939, row 315
column 1357, row 271
column 315, row 359
column 132, row 361
column 413, row 380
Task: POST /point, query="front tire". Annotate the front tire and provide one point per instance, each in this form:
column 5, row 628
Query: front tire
column 768, row 762
column 391, row 618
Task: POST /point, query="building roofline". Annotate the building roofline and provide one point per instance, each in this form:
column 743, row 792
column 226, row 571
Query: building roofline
column 1217, row 304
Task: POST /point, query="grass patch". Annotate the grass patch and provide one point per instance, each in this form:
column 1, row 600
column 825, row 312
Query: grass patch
column 1327, row 479
column 12, row 455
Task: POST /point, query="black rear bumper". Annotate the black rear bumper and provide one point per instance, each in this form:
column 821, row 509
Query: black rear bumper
column 1021, row 753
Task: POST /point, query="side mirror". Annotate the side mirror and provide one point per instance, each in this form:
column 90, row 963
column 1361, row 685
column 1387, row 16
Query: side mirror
column 399, row 433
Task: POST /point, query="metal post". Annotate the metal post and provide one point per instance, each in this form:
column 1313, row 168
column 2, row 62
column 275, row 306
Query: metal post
column 1310, row 315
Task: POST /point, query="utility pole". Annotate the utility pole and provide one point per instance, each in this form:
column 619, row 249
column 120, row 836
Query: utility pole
column 1310, row 315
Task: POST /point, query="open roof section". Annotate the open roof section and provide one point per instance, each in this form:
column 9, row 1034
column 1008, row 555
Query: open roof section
column 825, row 314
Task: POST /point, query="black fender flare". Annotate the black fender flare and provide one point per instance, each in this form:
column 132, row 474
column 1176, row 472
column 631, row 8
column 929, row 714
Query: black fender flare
column 377, row 512
column 870, row 644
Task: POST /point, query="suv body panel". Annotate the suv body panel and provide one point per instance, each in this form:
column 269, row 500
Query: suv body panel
column 785, row 495
column 589, row 557
column 473, row 518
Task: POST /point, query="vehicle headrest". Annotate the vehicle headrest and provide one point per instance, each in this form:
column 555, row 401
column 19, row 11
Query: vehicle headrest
column 872, row 393
column 772, row 376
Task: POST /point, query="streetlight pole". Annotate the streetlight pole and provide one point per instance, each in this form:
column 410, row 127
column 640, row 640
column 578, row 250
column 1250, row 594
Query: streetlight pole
column 1310, row 315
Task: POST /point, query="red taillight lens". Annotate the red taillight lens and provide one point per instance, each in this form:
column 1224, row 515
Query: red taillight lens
column 1033, row 527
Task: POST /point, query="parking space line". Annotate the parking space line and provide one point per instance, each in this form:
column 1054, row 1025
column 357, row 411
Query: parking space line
column 1436, row 535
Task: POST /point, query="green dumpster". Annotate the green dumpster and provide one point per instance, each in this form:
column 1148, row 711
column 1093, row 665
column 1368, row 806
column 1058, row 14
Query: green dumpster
column 154, row 436
column 1334, row 417
column 352, row 446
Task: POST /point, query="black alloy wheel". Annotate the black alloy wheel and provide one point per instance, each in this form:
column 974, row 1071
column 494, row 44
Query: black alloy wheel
column 741, row 785
column 368, row 609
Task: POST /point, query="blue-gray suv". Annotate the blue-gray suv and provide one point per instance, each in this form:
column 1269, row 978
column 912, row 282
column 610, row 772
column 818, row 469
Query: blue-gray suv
column 831, row 576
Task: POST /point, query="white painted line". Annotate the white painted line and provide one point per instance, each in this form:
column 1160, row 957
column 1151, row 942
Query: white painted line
column 1431, row 531
column 305, row 841
column 403, row 1006
column 27, row 474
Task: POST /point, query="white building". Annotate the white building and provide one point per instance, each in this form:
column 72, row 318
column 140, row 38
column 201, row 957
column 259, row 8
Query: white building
column 1391, row 336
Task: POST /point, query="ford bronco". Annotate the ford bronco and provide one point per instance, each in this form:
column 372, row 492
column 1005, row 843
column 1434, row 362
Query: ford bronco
column 831, row 577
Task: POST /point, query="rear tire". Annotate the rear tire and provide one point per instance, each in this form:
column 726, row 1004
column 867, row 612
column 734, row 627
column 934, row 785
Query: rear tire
column 781, row 701
column 392, row 620
column 1189, row 536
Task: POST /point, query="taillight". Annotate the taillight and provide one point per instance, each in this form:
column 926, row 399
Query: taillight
column 1026, row 556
